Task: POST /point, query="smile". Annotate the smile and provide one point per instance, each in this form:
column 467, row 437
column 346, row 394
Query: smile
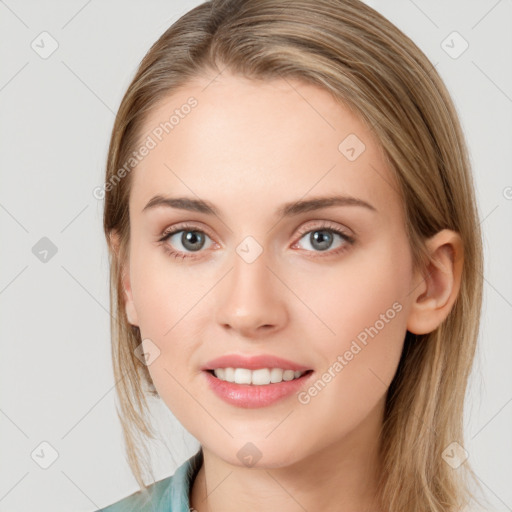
column 254, row 395
column 259, row 377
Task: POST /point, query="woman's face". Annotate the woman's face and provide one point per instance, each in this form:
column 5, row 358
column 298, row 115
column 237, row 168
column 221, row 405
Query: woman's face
column 325, row 286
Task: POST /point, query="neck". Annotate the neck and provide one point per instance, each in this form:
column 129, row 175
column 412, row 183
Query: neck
column 341, row 477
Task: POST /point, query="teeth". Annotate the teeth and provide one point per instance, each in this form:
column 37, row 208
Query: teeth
column 259, row 377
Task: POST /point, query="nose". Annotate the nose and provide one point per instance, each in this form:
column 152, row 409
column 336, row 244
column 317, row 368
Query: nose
column 251, row 300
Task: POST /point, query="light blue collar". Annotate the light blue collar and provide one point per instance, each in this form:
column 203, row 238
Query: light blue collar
column 176, row 497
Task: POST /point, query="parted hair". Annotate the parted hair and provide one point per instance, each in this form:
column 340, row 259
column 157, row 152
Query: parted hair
column 367, row 63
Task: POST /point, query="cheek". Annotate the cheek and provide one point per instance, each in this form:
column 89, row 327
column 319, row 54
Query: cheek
column 351, row 296
column 163, row 291
column 167, row 299
column 358, row 361
column 363, row 307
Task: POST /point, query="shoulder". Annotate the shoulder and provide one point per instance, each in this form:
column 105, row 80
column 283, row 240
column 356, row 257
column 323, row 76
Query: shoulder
column 141, row 501
column 170, row 494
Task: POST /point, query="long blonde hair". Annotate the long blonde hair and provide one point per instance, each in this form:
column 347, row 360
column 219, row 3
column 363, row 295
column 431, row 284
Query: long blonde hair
column 362, row 59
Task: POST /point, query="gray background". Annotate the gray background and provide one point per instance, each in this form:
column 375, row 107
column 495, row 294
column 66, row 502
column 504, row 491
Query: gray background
column 57, row 114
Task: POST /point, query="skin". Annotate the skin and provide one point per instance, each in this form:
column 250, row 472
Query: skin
column 248, row 147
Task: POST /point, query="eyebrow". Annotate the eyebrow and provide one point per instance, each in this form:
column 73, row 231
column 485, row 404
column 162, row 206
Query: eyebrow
column 286, row 210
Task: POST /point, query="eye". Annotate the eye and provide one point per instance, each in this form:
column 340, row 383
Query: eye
column 321, row 239
column 186, row 239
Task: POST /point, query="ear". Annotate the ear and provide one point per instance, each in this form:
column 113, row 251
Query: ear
column 131, row 313
column 439, row 284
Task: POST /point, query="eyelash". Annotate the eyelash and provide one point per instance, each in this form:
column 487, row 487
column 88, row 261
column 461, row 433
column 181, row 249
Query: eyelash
column 303, row 231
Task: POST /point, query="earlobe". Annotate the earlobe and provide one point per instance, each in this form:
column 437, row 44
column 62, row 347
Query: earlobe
column 439, row 284
column 131, row 313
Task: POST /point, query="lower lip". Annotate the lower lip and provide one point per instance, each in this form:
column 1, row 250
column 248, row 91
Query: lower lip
column 251, row 396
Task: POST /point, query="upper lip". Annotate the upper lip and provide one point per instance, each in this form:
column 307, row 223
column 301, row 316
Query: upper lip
column 253, row 362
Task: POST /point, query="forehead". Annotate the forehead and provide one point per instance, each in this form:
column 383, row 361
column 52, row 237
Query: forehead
column 232, row 139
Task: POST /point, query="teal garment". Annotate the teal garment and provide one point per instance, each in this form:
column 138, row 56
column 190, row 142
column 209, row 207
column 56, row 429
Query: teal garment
column 168, row 495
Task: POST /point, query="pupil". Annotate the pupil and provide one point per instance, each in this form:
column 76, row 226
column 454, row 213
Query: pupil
column 191, row 240
column 324, row 241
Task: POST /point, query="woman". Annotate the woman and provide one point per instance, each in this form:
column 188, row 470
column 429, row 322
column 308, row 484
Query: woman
column 296, row 262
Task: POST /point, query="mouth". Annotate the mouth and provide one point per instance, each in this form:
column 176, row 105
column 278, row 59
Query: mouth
column 257, row 388
column 256, row 380
column 257, row 377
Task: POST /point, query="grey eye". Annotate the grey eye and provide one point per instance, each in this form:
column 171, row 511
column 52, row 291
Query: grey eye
column 190, row 240
column 322, row 239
